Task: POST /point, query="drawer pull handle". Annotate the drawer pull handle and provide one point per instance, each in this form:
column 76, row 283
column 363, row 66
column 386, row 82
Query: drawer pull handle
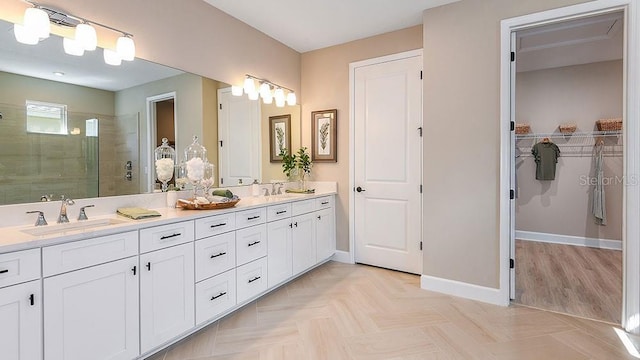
column 253, row 243
column 324, row 203
column 291, row 225
column 254, row 279
column 216, row 255
column 4, row 271
column 32, row 300
column 281, row 212
column 218, row 225
column 134, row 270
column 217, row 296
column 149, row 266
column 253, row 217
column 170, row 236
column 295, row 224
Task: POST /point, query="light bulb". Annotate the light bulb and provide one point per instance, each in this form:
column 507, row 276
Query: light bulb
column 72, row 47
column 254, row 95
column 36, row 21
column 291, row 99
column 249, row 86
column 86, row 36
column 111, row 57
column 236, row 90
column 268, row 99
column 126, row 48
column 23, row 36
column 279, row 96
column 265, row 90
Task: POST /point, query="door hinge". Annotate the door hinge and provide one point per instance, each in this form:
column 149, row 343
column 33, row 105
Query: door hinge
column 513, row 56
column 220, row 143
column 512, row 194
column 420, row 74
column 512, row 264
column 220, row 106
column 420, row 188
column 221, row 181
column 420, row 131
column 420, row 245
column 513, row 125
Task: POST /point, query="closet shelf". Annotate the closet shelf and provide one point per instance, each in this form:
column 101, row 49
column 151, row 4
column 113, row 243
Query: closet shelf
column 576, row 144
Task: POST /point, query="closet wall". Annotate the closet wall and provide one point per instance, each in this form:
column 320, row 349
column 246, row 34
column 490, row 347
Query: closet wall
column 579, row 94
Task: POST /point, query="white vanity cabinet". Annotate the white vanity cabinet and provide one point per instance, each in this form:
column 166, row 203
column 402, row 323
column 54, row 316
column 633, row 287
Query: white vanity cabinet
column 303, row 235
column 325, row 228
column 20, row 305
column 279, row 252
column 91, row 299
column 167, row 283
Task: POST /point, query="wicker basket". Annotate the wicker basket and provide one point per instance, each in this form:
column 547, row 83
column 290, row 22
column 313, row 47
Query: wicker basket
column 568, row 128
column 522, row 129
column 614, row 124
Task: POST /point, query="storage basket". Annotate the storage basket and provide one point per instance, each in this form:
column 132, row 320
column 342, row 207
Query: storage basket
column 614, row 124
column 522, row 129
column 568, row 128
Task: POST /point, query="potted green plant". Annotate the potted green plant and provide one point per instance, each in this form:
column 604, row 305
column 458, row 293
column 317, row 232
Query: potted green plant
column 296, row 165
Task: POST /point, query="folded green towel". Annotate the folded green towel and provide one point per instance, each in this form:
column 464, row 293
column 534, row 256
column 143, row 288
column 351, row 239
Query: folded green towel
column 137, row 213
column 300, row 191
column 225, row 193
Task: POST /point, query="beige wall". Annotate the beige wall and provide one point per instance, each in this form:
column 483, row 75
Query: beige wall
column 165, row 116
column 188, row 34
column 325, row 84
column 462, row 136
column 578, row 94
column 273, row 171
column 210, row 120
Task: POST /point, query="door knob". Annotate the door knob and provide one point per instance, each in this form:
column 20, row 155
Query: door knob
column 359, row 189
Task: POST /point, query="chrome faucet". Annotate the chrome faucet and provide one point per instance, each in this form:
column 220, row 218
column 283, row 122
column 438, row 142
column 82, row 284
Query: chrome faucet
column 62, row 218
column 83, row 215
column 279, row 191
column 265, row 192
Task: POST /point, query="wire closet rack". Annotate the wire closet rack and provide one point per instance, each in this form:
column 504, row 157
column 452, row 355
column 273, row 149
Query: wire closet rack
column 573, row 144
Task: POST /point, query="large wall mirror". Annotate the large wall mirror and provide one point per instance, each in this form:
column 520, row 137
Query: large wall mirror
column 76, row 126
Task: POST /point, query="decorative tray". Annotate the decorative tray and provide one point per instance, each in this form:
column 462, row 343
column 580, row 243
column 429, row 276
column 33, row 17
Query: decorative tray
column 189, row 205
column 300, row 191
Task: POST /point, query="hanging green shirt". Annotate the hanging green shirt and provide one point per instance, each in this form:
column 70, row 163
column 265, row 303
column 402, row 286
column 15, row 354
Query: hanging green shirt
column 546, row 155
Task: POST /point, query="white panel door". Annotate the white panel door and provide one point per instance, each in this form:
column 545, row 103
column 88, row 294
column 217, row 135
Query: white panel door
column 21, row 322
column 166, row 294
column 279, row 251
column 93, row 313
column 387, row 166
column 238, row 138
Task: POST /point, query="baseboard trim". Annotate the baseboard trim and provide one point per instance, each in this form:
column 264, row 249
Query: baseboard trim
column 342, row 256
column 463, row 290
column 569, row 240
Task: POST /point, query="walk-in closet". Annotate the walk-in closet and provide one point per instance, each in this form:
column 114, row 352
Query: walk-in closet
column 569, row 175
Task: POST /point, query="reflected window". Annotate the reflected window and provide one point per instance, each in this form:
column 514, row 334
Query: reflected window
column 91, row 127
column 46, row 118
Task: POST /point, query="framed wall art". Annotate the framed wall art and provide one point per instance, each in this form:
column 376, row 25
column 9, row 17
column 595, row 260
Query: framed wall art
column 323, row 136
column 279, row 136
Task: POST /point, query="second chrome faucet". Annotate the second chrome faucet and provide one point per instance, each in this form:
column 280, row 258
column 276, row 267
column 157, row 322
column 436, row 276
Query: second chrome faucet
column 62, row 217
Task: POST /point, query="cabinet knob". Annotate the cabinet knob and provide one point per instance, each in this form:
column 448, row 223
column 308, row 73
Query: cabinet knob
column 149, row 266
column 32, row 299
column 134, row 269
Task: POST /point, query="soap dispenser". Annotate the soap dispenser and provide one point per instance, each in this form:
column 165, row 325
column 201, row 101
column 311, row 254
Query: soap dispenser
column 255, row 188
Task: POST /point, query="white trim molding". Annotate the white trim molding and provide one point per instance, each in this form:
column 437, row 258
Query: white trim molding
column 569, row 240
column 631, row 131
column 342, row 256
column 464, row 290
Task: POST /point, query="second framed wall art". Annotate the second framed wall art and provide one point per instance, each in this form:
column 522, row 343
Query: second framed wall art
column 324, row 135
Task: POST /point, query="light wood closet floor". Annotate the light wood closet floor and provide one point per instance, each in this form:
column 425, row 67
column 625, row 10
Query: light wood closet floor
column 576, row 280
column 341, row 311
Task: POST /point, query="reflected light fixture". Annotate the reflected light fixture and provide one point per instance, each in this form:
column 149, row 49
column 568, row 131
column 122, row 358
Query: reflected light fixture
column 265, row 91
column 36, row 25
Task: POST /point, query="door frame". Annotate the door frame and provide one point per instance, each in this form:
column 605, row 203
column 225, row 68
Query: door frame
column 352, row 198
column 152, row 129
column 631, row 148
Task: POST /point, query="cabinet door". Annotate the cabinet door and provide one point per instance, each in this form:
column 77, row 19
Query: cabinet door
column 166, row 294
column 92, row 313
column 325, row 239
column 304, row 242
column 279, row 251
column 20, row 322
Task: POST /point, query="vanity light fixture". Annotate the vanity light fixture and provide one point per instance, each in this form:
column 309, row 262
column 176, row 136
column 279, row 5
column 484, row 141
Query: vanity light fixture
column 265, row 91
column 36, row 26
column 236, row 90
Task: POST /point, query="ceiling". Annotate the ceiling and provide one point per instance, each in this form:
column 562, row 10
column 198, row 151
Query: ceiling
column 306, row 25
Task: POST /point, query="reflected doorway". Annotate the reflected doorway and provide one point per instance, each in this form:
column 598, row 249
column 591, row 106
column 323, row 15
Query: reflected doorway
column 161, row 110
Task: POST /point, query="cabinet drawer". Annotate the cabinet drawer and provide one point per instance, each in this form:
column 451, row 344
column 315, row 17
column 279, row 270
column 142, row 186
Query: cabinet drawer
column 160, row 237
column 215, row 254
column 324, row 202
column 250, row 217
column 277, row 212
column 214, row 225
column 251, row 279
column 303, row 207
column 19, row 266
column 251, row 243
column 215, row 295
column 79, row 254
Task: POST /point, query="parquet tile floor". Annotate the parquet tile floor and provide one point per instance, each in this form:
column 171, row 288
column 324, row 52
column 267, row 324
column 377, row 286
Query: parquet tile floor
column 341, row 311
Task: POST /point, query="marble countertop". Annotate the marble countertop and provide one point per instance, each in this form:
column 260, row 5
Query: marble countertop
column 15, row 238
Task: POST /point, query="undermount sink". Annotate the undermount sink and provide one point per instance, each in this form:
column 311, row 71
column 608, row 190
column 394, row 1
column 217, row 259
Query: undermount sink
column 72, row 226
